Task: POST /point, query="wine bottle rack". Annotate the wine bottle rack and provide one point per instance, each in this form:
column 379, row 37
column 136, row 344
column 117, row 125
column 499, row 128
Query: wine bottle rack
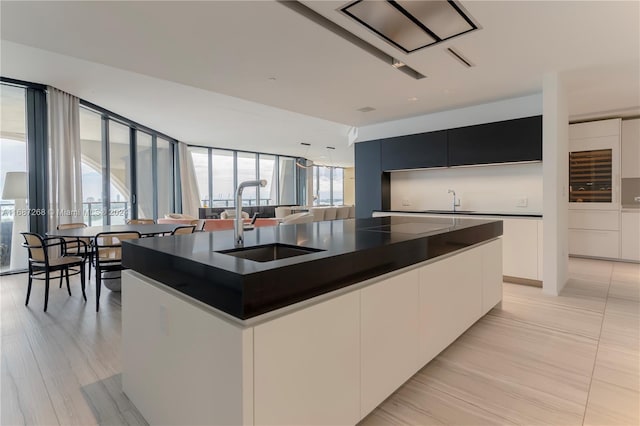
column 590, row 176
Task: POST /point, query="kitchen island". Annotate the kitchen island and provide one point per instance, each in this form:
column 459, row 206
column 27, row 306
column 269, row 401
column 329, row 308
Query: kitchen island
column 323, row 337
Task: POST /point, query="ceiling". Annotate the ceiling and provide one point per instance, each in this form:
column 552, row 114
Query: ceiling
column 256, row 75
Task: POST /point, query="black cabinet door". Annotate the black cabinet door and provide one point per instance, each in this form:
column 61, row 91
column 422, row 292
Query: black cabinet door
column 369, row 178
column 500, row 142
column 422, row 150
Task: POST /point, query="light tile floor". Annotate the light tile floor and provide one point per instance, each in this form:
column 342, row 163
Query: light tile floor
column 563, row 360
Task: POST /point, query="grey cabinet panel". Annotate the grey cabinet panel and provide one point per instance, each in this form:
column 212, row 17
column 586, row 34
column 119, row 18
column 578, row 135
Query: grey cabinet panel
column 422, row 150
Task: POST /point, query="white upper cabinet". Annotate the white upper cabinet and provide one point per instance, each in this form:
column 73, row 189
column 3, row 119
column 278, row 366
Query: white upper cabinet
column 594, row 165
column 630, row 162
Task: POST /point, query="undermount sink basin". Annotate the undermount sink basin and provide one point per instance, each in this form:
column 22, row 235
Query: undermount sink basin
column 269, row 252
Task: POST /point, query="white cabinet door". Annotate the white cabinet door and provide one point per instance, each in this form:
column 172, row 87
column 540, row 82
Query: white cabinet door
column 630, row 160
column 604, row 220
column 390, row 337
column 491, row 275
column 450, row 300
column 630, row 237
column 307, row 365
column 594, row 243
column 520, row 251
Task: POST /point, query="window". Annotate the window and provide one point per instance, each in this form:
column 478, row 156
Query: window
column 13, row 158
column 267, row 171
column 165, row 177
column 223, row 178
column 119, row 173
column 337, row 186
column 247, row 170
column 91, row 148
column 287, row 182
column 200, row 157
column 328, row 186
column 218, row 171
column 144, row 174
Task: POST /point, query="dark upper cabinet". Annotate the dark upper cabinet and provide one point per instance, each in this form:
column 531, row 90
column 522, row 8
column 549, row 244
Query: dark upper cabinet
column 500, row 142
column 372, row 185
column 422, row 150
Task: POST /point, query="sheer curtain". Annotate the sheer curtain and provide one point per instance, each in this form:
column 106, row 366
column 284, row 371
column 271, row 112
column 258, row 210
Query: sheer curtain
column 190, row 193
column 65, row 171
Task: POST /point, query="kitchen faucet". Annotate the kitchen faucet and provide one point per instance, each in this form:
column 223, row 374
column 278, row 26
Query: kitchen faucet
column 451, row 191
column 239, row 224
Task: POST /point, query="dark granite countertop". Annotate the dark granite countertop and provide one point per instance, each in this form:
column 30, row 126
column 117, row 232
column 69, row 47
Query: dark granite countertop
column 352, row 251
column 464, row 213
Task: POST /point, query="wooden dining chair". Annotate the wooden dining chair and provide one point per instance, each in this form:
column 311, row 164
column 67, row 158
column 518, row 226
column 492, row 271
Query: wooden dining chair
column 73, row 247
column 140, row 221
column 45, row 261
column 181, row 230
column 109, row 256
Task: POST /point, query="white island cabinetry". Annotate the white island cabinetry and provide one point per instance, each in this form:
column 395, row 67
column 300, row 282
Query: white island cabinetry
column 331, row 360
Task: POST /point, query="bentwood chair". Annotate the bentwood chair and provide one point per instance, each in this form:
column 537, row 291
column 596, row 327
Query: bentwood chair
column 73, row 245
column 49, row 255
column 109, row 256
column 140, row 221
column 181, row 230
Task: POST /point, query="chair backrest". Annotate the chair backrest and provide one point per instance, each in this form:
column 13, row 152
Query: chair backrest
column 282, row 212
column 298, row 218
column 342, row 212
column 330, row 213
column 71, row 225
column 140, row 221
column 180, row 230
column 198, row 223
column 34, row 243
column 318, row 213
column 231, row 214
column 218, row 224
column 109, row 245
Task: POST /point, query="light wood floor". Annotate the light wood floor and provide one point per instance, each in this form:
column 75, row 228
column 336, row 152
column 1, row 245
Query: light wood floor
column 564, row 360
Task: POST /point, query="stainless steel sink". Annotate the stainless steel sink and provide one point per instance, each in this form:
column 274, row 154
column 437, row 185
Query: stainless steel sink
column 269, row 252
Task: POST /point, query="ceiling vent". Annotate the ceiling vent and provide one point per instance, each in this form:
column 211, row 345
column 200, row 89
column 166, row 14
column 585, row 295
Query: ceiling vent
column 411, row 25
column 366, row 109
column 457, row 55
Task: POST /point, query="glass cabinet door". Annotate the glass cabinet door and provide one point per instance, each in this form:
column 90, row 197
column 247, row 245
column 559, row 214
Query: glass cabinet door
column 591, row 176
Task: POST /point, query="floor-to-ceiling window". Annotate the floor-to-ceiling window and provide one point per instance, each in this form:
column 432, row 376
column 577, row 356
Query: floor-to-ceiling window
column 328, row 186
column 13, row 177
column 119, row 173
column 165, row 177
column 247, row 170
column 118, row 181
column 223, row 172
column 92, row 166
column 267, row 171
column 218, row 172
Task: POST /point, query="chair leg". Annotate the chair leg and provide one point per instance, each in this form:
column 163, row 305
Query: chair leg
column 66, row 273
column 30, row 281
column 61, row 274
column 82, row 282
column 90, row 262
column 46, row 289
column 98, row 285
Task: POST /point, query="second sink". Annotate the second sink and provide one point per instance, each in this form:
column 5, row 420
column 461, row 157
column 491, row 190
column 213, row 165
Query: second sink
column 269, row 252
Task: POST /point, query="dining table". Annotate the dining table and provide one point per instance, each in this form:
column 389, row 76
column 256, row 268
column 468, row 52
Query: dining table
column 145, row 230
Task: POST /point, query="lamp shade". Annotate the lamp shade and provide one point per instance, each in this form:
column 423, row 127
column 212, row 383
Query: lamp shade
column 15, row 186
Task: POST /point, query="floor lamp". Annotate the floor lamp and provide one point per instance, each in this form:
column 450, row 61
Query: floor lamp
column 15, row 188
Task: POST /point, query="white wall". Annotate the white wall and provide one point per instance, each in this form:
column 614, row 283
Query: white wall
column 493, row 188
column 508, row 109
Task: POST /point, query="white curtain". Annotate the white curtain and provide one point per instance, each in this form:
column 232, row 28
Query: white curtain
column 190, row 192
column 65, row 171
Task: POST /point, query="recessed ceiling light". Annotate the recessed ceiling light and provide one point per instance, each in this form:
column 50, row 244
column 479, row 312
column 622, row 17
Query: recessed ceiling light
column 366, row 109
column 272, row 79
column 412, row 99
column 397, row 64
